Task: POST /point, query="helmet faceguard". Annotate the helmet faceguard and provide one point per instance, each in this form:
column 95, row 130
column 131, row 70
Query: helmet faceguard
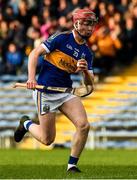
column 82, row 15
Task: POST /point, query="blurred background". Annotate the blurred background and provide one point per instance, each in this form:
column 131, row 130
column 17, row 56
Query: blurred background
column 112, row 108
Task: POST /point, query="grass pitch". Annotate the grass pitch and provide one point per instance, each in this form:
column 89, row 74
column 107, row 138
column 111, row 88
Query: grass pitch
column 40, row 164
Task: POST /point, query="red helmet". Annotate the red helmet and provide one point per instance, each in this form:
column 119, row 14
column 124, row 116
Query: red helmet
column 84, row 14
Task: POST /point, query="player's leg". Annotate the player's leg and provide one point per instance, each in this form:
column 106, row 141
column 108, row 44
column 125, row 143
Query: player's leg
column 75, row 111
column 44, row 131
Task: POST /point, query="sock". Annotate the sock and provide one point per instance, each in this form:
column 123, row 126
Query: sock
column 27, row 124
column 72, row 161
column 70, row 166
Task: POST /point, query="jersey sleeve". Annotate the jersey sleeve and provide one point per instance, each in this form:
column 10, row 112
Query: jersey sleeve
column 89, row 59
column 51, row 43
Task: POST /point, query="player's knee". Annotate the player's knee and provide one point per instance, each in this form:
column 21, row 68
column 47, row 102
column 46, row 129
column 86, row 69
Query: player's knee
column 87, row 127
column 84, row 128
column 47, row 141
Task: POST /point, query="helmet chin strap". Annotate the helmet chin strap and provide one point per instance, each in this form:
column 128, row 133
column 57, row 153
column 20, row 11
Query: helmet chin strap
column 76, row 28
column 83, row 37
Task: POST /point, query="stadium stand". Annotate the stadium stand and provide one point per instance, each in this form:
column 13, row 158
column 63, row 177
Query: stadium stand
column 111, row 110
column 12, row 105
column 116, row 128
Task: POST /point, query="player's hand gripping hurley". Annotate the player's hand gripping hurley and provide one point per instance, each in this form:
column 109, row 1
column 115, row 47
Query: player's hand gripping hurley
column 78, row 91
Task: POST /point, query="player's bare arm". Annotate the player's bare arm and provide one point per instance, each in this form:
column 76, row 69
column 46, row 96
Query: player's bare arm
column 88, row 76
column 32, row 65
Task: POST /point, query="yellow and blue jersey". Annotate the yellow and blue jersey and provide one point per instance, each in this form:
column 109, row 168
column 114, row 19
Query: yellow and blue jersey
column 60, row 61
